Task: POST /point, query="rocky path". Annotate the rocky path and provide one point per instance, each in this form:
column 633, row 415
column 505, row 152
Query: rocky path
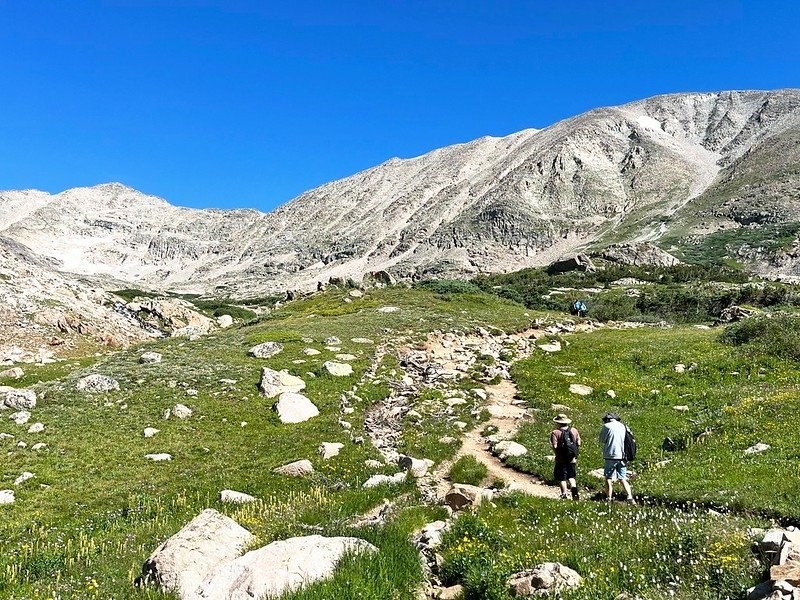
column 506, row 415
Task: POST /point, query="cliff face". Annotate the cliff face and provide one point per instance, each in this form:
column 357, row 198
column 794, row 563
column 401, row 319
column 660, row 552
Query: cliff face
column 667, row 169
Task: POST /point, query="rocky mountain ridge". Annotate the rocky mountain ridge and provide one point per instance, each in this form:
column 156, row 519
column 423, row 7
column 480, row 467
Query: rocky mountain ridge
column 663, row 170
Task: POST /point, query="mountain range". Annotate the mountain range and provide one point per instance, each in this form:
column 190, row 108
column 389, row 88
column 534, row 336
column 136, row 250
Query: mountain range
column 670, row 170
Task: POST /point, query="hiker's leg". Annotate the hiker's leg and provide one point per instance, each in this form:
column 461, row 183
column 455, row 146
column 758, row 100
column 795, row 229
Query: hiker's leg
column 609, row 488
column 609, row 467
column 623, row 477
column 563, row 484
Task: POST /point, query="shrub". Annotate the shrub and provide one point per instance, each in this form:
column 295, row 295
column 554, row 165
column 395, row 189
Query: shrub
column 777, row 335
column 467, row 470
column 448, row 286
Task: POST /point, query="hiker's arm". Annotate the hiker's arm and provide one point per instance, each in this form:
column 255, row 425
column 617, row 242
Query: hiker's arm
column 553, row 440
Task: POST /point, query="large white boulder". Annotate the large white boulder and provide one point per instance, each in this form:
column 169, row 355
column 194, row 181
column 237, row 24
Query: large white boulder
column 192, row 555
column 507, row 448
column 266, row 350
column 12, row 373
column 380, row 479
column 234, row 497
column 278, row 568
column 298, row 468
column 580, row 389
column 338, row 369
column 6, row 497
column 274, row 383
column 149, row 358
column 544, row 580
column 295, row 408
column 20, row 399
column 97, row 383
column 224, row 321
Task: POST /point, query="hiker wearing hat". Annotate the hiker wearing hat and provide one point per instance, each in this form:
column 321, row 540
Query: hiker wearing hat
column 566, row 442
column 612, row 441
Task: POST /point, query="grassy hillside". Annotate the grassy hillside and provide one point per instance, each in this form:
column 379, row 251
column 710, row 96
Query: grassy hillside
column 96, row 508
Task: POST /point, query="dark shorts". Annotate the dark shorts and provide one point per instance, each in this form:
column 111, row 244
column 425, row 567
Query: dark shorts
column 564, row 471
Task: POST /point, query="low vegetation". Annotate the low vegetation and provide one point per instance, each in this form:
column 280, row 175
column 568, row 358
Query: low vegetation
column 467, row 470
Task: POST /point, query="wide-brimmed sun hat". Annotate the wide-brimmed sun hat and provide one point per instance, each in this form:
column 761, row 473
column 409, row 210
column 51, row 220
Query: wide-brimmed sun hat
column 562, row 419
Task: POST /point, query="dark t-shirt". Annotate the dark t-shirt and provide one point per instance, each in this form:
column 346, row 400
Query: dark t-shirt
column 555, row 435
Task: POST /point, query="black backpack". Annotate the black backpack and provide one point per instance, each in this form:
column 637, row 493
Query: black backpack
column 567, row 447
column 630, row 447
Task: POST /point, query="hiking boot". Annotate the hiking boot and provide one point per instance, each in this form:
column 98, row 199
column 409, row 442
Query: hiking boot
column 575, row 495
column 631, row 501
column 563, row 496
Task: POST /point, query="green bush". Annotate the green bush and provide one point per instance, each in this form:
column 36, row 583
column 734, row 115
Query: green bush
column 448, row 286
column 467, row 470
column 777, row 335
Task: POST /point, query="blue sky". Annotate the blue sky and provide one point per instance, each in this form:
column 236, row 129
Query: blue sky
column 247, row 104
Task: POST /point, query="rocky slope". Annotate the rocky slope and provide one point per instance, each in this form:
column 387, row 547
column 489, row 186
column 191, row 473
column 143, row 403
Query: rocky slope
column 666, row 169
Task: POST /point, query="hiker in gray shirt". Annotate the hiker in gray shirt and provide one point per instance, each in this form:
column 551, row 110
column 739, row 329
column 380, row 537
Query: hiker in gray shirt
column 612, row 441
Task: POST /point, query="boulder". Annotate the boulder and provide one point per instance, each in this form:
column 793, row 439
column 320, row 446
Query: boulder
column 224, row 321
column 330, row 449
column 278, row 568
column 265, row 350
column 679, row 368
column 379, row 479
column 462, row 496
column 388, row 309
column 579, row 262
column 233, row 497
column 193, row 554
column 544, row 580
column 182, row 411
column 736, row 313
column 13, row 373
column 20, row 399
column 639, row 254
column 298, row 468
column 580, row 389
column 416, row 466
column 97, row 383
column 338, row 369
column 356, row 294
column 333, row 341
column 150, row 431
column 551, row 347
column 36, row 428
column 274, row 383
column 39, row 446
column 311, row 351
column 506, row 449
column 295, row 408
column 6, row 497
column 149, row 358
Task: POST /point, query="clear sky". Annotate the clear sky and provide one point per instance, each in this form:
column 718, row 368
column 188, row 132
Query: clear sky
column 247, row 104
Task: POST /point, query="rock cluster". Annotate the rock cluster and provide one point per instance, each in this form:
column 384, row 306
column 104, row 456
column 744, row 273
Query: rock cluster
column 782, row 548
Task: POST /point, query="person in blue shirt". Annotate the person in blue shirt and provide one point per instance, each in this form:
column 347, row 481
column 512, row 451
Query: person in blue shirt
column 612, row 441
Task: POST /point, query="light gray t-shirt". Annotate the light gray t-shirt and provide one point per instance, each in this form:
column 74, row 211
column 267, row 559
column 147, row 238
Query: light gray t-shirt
column 612, row 440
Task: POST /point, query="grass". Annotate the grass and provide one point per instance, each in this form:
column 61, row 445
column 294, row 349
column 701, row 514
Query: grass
column 735, row 399
column 649, row 552
column 469, row 470
column 96, row 509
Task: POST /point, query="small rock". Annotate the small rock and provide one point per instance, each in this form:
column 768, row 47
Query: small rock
column 580, row 389
column 265, row 350
column 446, row 439
column 274, row 383
column 36, row 428
column 21, row 417
column 611, row 393
column 20, row 399
column 455, row 401
column 182, row 411
column 679, row 368
column 360, row 340
column 24, row 477
column 338, row 369
column 371, row 463
column 224, row 321
column 333, row 341
column 544, row 580
column 330, row 449
column 551, row 347
column 346, row 357
column 22, row 445
column 150, row 358
column 295, row 408
column 454, row 592
column 480, row 393
column 150, row 431
column 346, row 425
column 416, row 466
column 311, row 351
column 160, row 457
column 681, row 408
column 388, row 309
column 460, row 425
column 97, row 383
column 232, row 497
column 6, row 496
column 377, row 480
column 356, row 294
column 39, row 446
column 298, row 468
column 13, row 373
column 758, row 448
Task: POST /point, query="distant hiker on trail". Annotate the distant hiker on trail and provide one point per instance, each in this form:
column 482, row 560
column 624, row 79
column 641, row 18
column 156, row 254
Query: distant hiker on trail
column 566, row 442
column 579, row 308
column 612, row 441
